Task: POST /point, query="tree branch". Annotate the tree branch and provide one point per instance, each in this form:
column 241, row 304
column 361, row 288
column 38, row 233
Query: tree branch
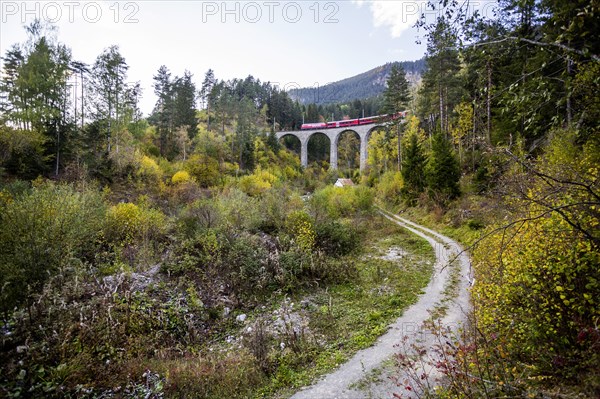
column 594, row 57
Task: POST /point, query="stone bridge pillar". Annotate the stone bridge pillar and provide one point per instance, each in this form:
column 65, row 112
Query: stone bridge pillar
column 364, row 141
column 304, row 151
column 333, row 150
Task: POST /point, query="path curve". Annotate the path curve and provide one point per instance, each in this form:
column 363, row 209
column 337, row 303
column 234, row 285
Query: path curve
column 339, row 384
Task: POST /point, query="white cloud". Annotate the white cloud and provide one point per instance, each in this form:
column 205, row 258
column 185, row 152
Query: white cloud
column 397, row 15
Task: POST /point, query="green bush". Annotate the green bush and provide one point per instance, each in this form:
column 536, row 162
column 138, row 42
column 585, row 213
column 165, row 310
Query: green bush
column 334, row 202
column 239, row 210
column 276, row 204
column 195, row 254
column 200, row 215
column 44, row 231
column 293, row 265
column 246, row 259
column 390, row 187
column 336, row 238
column 22, row 152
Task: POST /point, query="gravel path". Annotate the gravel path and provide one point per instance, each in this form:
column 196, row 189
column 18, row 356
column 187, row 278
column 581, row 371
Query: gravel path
column 344, row 383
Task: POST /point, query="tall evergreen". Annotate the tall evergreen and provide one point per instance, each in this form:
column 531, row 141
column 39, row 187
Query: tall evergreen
column 107, row 92
column 395, row 99
column 413, row 170
column 162, row 116
column 441, row 90
column 205, row 92
column 185, row 104
column 443, row 171
column 397, row 94
column 34, row 90
column 175, row 108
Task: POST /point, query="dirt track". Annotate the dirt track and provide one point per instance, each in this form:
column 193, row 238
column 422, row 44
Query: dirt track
column 364, row 375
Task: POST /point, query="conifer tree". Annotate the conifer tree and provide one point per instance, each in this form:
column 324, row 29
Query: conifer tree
column 397, row 94
column 396, row 98
column 441, row 90
column 413, row 170
column 442, row 172
column 205, row 92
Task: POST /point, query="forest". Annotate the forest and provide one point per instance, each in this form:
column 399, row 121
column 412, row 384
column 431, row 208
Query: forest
column 188, row 253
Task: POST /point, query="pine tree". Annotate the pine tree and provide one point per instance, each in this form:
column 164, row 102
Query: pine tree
column 185, row 104
column 396, row 98
column 163, row 110
column 107, row 91
column 205, row 93
column 442, row 172
column 413, row 170
column 273, row 143
column 441, row 90
column 397, row 94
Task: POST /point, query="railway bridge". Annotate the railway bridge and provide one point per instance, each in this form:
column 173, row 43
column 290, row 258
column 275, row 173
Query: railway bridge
column 334, row 134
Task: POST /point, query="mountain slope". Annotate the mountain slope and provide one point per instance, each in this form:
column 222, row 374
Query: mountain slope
column 365, row 85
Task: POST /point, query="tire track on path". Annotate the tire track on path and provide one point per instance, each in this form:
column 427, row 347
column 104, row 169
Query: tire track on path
column 341, row 384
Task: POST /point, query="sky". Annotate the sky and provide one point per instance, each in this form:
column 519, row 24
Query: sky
column 290, row 43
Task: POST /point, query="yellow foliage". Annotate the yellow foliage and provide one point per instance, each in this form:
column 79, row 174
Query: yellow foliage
column 538, row 281
column 390, row 187
column 5, row 197
column 149, row 168
column 299, row 224
column 257, row 183
column 383, row 151
column 413, row 127
column 128, row 222
column 181, row 177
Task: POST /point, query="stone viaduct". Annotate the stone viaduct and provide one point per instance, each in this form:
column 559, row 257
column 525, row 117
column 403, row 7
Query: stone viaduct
column 363, row 131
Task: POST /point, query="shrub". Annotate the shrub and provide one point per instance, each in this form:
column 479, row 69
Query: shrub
column 540, row 293
column 43, row 231
column 195, row 254
column 275, row 205
column 239, row 210
column 204, row 169
column 128, row 223
column 199, row 215
column 293, row 265
column 181, row 177
column 246, row 260
column 336, row 202
column 363, row 198
column 299, row 225
column 22, row 152
column 149, row 169
column 257, row 183
column 390, row 187
column 335, row 238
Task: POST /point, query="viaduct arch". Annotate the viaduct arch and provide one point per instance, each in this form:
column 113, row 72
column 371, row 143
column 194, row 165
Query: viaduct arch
column 363, row 131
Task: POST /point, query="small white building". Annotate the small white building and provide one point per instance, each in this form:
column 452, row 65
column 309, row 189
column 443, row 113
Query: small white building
column 344, row 183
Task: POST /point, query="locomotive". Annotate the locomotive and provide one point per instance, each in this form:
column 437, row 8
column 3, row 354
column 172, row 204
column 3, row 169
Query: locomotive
column 353, row 122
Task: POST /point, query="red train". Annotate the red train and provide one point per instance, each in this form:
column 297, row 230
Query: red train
column 352, row 122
